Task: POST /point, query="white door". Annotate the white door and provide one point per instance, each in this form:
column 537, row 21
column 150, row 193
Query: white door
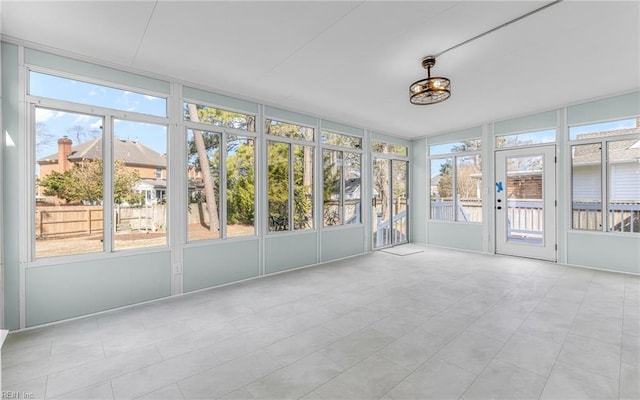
column 526, row 202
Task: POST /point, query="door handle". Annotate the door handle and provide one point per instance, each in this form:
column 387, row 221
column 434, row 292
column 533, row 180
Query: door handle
column 499, row 207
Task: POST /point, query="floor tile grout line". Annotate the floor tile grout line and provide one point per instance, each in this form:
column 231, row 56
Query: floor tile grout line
column 564, row 339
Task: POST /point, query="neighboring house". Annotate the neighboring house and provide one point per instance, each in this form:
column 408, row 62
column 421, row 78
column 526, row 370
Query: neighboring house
column 149, row 164
column 623, row 158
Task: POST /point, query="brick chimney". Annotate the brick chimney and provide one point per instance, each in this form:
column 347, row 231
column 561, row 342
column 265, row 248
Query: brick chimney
column 64, row 149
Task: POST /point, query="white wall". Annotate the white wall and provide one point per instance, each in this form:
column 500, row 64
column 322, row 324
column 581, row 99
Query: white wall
column 48, row 290
column 603, row 250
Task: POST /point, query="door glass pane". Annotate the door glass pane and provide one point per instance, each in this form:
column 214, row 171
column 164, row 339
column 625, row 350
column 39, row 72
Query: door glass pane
column 381, row 213
column 399, row 201
column 586, row 182
column 624, row 185
column 525, row 211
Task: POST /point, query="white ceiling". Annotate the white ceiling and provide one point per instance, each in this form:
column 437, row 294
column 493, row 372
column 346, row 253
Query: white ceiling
column 352, row 62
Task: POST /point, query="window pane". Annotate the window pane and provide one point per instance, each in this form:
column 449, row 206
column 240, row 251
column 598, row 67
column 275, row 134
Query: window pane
column 469, row 188
column 278, row 185
column 455, row 147
column 139, row 197
column 284, row 129
column 95, row 95
column 218, row 117
column 624, row 185
column 586, row 174
column 613, row 128
column 339, row 139
column 389, row 148
column 525, row 208
column 442, row 189
column 203, row 158
column 240, row 186
column 303, row 187
column 351, row 192
column 69, row 178
column 525, row 139
column 332, row 191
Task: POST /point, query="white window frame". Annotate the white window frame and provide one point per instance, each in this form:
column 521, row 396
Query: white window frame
column 342, row 149
column 454, row 167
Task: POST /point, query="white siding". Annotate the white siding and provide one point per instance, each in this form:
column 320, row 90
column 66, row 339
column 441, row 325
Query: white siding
column 586, row 183
column 625, row 181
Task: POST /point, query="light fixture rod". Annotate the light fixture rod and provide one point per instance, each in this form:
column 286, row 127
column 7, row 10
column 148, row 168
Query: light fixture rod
column 553, row 3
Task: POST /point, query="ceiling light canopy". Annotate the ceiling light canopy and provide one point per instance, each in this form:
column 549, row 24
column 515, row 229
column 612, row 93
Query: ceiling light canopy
column 431, row 90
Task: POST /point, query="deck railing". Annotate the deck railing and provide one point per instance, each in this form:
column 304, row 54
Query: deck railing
column 623, row 216
column 385, row 229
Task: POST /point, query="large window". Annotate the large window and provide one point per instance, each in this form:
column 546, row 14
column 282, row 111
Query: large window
column 341, row 171
column 456, row 181
column 289, row 176
column 221, row 173
column 97, row 170
column 608, row 151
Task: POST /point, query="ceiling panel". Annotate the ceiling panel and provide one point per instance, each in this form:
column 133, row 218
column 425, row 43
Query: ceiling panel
column 98, row 29
column 352, row 62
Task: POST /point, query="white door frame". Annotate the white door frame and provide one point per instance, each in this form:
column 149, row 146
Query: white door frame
column 508, row 243
column 392, row 241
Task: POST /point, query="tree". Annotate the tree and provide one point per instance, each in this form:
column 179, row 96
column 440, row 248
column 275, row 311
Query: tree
column 83, row 183
column 43, row 136
column 445, row 185
column 80, row 134
column 203, row 158
column 240, row 181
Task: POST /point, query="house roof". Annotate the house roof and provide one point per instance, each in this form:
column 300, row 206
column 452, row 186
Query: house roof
column 619, row 150
column 128, row 151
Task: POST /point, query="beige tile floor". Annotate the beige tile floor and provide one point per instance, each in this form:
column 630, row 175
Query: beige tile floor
column 439, row 324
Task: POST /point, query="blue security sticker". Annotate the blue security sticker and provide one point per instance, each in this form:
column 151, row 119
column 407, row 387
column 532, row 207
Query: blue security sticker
column 499, row 187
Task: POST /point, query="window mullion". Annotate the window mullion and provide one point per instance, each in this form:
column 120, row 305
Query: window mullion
column 604, row 160
column 108, row 227
column 291, row 188
column 222, row 186
column 454, row 186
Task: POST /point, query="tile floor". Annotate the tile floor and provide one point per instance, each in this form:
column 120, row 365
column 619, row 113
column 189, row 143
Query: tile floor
column 439, row 324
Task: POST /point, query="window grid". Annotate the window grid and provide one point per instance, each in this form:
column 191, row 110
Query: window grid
column 455, row 192
column 604, row 170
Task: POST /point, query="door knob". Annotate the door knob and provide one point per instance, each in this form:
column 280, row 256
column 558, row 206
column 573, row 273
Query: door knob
column 499, row 207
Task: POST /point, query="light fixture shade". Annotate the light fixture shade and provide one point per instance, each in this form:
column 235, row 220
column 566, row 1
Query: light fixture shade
column 430, row 90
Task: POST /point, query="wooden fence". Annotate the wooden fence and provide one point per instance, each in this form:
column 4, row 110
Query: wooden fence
column 60, row 221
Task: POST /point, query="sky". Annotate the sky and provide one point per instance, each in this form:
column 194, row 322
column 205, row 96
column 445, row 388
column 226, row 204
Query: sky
column 59, row 123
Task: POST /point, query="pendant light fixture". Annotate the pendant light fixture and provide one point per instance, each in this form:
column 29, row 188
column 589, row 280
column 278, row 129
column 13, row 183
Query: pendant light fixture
column 431, row 90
